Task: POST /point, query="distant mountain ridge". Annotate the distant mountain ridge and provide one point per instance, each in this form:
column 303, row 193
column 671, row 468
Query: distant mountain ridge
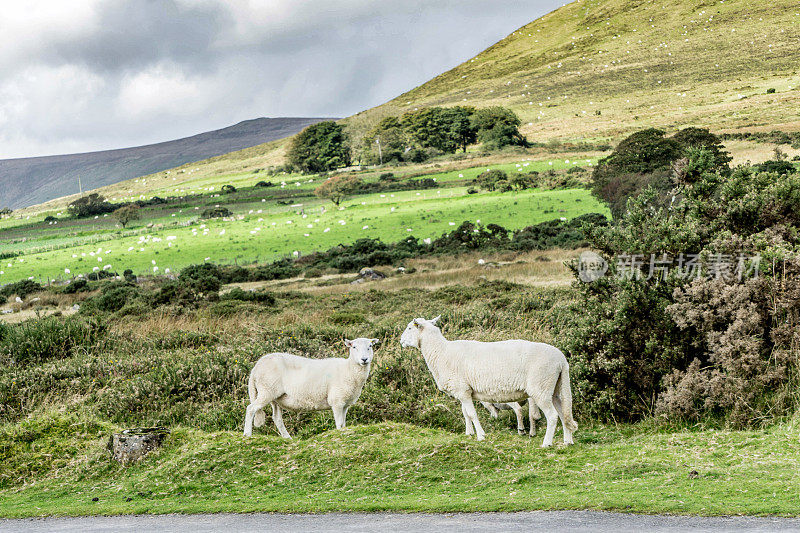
column 33, row 180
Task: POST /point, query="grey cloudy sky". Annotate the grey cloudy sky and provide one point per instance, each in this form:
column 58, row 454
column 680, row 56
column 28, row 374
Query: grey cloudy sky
column 89, row 75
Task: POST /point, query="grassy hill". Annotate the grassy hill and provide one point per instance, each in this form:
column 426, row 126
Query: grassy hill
column 34, row 180
column 601, row 68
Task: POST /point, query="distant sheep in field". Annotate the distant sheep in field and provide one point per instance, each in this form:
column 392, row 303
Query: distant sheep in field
column 506, row 371
column 301, row 384
column 493, row 409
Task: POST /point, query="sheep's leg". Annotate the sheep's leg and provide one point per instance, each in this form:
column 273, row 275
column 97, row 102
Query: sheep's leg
column 567, row 432
column 467, row 421
column 533, row 415
column 551, row 415
column 491, row 408
column 277, row 417
column 517, row 408
column 338, row 415
column 469, row 410
column 250, row 413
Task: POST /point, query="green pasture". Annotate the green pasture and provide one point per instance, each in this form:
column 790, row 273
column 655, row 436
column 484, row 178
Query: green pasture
column 263, row 234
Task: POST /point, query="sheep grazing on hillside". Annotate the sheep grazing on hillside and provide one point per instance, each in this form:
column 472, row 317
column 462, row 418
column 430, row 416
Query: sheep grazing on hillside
column 301, row 384
column 506, row 371
column 494, row 409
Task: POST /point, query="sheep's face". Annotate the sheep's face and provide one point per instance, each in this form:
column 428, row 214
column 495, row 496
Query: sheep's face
column 411, row 336
column 361, row 350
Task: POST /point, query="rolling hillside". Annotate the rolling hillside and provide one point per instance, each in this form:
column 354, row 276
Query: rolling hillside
column 33, row 180
column 602, row 68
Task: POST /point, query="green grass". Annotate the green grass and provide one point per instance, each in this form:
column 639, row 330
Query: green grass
column 272, row 231
column 399, row 467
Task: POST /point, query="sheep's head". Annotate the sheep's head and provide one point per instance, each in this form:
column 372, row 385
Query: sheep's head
column 361, row 350
column 411, row 336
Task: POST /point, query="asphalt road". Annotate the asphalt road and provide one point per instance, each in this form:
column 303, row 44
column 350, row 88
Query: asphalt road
column 570, row 521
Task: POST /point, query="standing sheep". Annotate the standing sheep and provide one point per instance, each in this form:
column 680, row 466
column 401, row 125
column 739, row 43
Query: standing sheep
column 301, row 384
column 506, row 371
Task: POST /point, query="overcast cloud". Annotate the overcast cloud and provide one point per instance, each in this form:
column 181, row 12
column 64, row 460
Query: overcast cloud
column 99, row 74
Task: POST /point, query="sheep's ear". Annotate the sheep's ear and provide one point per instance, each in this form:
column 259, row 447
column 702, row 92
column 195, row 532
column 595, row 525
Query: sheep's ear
column 435, row 320
column 373, row 342
column 348, row 343
column 416, row 322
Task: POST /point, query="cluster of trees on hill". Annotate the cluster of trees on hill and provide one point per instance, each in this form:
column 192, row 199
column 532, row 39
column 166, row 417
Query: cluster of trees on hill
column 415, row 136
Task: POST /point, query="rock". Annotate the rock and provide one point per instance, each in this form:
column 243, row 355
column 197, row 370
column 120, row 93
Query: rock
column 357, row 281
column 368, row 273
column 694, row 474
column 133, row 444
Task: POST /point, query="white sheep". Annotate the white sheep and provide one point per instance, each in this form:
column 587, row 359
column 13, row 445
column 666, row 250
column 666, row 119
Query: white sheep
column 301, row 384
column 494, row 409
column 506, row 371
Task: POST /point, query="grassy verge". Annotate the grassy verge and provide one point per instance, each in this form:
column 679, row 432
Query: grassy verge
column 400, row 467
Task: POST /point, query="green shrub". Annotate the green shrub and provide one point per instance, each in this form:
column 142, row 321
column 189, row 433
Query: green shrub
column 227, row 189
column 113, row 297
column 693, row 348
column 489, row 179
column 21, row 288
column 76, row 285
column 248, row 296
column 216, row 212
column 38, row 341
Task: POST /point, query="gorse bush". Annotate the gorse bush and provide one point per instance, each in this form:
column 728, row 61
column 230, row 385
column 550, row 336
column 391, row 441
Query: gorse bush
column 21, row 288
column 694, row 347
column 47, row 339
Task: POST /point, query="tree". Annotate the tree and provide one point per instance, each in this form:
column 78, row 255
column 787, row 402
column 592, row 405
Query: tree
column 89, row 205
column 393, row 140
column 497, row 127
column 702, row 138
column 338, row 188
column 5, row 211
column 319, row 148
column 443, row 128
column 645, row 159
column 126, row 214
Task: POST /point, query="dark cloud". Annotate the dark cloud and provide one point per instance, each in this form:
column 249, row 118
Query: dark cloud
column 105, row 74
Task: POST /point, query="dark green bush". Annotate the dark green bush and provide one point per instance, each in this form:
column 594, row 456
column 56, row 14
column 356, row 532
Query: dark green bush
column 227, row 189
column 21, row 288
column 113, row 297
column 690, row 348
column 38, row 341
column 261, row 297
column 216, row 212
column 76, row 285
